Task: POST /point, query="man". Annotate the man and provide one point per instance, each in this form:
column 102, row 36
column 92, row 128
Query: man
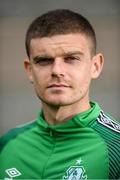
column 72, row 137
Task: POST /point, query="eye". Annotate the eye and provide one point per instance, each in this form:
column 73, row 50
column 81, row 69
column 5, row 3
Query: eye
column 72, row 59
column 43, row 61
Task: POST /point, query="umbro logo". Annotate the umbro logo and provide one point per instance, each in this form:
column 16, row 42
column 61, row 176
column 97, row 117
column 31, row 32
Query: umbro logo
column 106, row 121
column 13, row 172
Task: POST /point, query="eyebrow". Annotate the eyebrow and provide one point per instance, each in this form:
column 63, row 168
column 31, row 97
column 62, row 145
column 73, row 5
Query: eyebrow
column 37, row 58
column 73, row 53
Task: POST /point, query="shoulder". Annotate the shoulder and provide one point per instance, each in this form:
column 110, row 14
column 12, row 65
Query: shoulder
column 106, row 123
column 109, row 130
column 109, row 122
column 15, row 133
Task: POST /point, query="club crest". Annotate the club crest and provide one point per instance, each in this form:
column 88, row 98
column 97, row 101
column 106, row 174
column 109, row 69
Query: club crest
column 76, row 172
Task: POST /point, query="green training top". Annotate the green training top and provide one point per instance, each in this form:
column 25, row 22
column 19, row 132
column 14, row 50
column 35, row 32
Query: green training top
column 85, row 147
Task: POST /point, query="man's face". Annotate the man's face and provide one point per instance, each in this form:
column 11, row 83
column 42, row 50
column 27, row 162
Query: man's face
column 61, row 68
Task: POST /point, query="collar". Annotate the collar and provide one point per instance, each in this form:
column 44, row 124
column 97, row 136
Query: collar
column 78, row 121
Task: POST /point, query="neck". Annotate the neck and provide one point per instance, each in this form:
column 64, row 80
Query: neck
column 58, row 115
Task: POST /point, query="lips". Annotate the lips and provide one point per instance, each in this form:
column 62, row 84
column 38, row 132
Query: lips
column 58, row 86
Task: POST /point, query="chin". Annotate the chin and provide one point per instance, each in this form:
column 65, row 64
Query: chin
column 55, row 102
column 58, row 101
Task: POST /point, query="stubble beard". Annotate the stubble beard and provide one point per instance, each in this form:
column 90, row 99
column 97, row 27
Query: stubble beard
column 59, row 104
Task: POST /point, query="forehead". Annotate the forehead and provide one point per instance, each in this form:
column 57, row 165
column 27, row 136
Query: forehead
column 59, row 44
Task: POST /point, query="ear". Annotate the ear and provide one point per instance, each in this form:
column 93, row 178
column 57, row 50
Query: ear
column 28, row 69
column 97, row 65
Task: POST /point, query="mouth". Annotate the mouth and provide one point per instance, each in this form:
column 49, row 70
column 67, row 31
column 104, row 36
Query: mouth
column 58, row 86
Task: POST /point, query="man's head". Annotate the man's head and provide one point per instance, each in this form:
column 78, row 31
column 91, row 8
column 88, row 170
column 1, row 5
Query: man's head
column 59, row 22
column 62, row 59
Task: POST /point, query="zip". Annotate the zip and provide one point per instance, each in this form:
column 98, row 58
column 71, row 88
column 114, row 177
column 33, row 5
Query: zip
column 53, row 144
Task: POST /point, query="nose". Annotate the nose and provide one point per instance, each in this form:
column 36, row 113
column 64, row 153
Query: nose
column 58, row 67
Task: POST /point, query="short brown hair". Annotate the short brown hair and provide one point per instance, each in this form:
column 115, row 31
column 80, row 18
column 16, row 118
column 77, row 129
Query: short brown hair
column 60, row 21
